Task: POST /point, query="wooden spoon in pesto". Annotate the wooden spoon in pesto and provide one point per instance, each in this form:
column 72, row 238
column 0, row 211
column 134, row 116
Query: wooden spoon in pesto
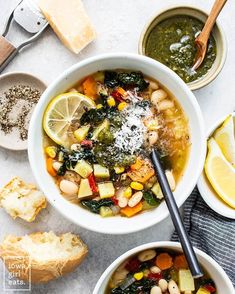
column 202, row 40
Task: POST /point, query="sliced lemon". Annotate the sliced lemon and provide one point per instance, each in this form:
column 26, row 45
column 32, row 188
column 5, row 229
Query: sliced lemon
column 61, row 113
column 220, row 173
column 224, row 136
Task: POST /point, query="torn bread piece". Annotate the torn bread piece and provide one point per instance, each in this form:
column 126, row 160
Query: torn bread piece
column 70, row 22
column 22, row 200
column 46, row 255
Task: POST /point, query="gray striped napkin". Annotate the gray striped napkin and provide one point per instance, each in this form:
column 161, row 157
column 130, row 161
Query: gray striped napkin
column 210, row 232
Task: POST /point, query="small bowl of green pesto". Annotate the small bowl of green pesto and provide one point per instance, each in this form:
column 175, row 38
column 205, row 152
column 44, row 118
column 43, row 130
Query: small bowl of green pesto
column 170, row 39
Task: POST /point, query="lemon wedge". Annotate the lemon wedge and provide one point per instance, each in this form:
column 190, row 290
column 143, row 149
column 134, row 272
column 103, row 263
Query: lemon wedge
column 220, row 173
column 224, row 137
column 61, row 113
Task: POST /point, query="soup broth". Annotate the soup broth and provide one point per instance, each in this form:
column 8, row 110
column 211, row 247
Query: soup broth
column 98, row 137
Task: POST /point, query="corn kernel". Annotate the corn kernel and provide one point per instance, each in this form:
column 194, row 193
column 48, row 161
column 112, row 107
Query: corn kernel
column 146, row 272
column 111, row 101
column 139, row 276
column 137, row 186
column 119, row 169
column 51, row 151
column 98, row 106
column 122, row 105
column 128, row 192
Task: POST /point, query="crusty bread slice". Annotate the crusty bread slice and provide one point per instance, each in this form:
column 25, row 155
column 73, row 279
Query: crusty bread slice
column 50, row 256
column 22, row 200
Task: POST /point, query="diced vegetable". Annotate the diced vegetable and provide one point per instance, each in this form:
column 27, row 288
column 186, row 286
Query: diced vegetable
column 51, row 151
column 186, row 281
column 106, row 190
column 138, row 276
column 90, row 87
column 144, row 173
column 119, row 169
column 101, row 172
column 130, row 211
column 202, row 291
column 81, row 133
column 147, row 206
column 84, row 189
column 156, row 189
column 180, row 262
column 49, row 165
column 83, row 168
column 103, row 126
column 99, row 76
column 137, row 165
column 87, row 144
column 164, row 261
column 92, row 183
column 150, row 199
column 128, row 192
column 106, row 211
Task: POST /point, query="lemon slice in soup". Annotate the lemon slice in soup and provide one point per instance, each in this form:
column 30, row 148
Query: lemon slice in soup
column 220, row 173
column 62, row 115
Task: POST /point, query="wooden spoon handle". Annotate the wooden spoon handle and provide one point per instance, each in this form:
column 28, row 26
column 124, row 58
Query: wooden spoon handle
column 217, row 7
column 6, row 49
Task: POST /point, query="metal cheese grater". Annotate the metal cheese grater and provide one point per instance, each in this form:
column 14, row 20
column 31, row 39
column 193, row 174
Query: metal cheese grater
column 29, row 17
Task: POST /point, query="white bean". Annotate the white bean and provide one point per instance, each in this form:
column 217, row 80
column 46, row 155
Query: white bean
column 147, row 255
column 135, row 199
column 68, row 187
column 122, row 201
column 152, row 136
column 158, row 96
column 56, row 165
column 153, row 85
column 155, row 270
column 171, row 179
column 165, row 104
column 163, row 285
column 156, row 290
column 75, row 147
column 173, row 288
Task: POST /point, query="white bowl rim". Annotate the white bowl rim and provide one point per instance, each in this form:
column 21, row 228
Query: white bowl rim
column 220, row 209
column 138, row 58
column 160, row 244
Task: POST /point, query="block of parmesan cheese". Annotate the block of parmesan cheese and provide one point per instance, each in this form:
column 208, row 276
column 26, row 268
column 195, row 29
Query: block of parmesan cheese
column 69, row 21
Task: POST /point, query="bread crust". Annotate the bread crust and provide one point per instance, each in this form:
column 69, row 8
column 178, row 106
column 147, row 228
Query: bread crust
column 41, row 272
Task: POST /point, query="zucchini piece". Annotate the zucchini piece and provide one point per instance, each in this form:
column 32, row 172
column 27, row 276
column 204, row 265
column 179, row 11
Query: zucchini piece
column 156, row 189
column 186, row 281
column 106, row 211
column 81, row 133
column 106, row 190
column 101, row 171
column 84, row 189
column 103, row 126
column 83, row 168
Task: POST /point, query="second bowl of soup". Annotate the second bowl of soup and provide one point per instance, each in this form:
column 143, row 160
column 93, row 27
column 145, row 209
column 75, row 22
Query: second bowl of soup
column 97, row 125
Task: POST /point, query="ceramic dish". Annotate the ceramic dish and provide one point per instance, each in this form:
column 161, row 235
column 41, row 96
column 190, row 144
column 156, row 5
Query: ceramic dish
column 217, row 32
column 223, row 284
column 118, row 225
column 206, row 190
column 7, row 81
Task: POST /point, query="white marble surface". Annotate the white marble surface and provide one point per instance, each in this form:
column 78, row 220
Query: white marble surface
column 118, row 24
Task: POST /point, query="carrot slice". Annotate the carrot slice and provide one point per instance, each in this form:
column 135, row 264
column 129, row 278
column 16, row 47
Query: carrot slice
column 90, row 87
column 143, row 174
column 180, row 262
column 130, row 211
column 50, row 169
column 137, row 165
column 164, row 261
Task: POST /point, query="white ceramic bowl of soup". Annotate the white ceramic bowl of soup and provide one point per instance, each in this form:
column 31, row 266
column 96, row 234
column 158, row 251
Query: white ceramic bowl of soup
column 217, row 274
column 188, row 102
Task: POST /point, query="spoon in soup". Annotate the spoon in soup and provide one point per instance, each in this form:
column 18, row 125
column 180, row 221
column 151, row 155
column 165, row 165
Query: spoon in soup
column 202, row 39
column 175, row 216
